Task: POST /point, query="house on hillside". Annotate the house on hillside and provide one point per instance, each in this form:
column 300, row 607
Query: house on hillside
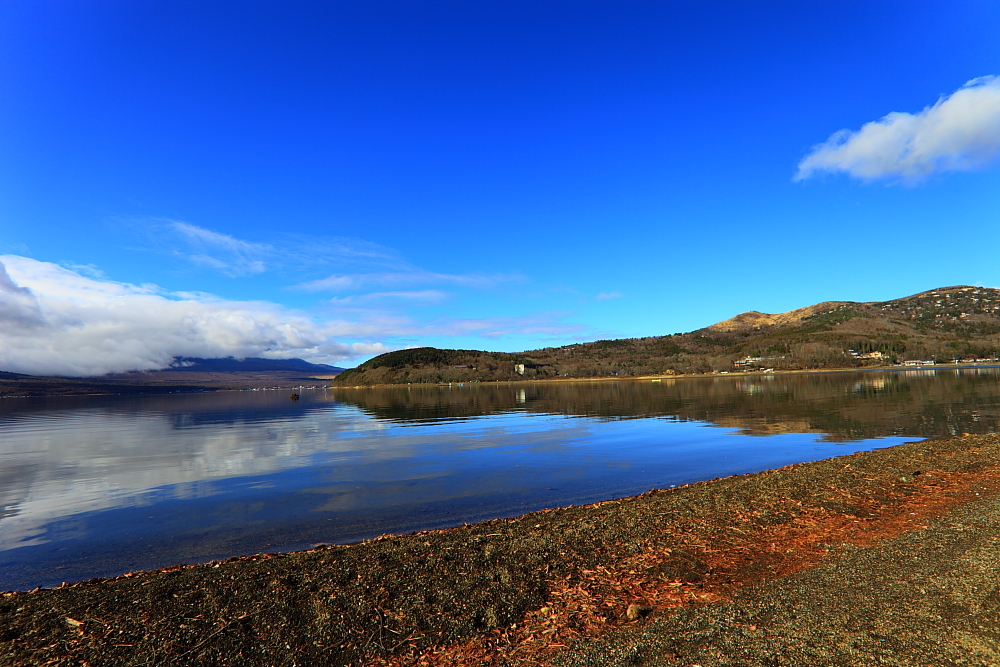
column 747, row 362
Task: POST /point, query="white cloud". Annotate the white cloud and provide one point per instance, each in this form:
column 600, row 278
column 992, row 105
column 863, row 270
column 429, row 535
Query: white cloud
column 353, row 281
column 550, row 324
column 19, row 309
column 232, row 256
column 73, row 320
column 55, row 321
column 236, row 257
column 416, row 296
column 604, row 296
column 961, row 132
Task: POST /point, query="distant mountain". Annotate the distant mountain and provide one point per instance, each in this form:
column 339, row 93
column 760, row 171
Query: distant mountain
column 186, row 375
column 250, row 364
column 941, row 325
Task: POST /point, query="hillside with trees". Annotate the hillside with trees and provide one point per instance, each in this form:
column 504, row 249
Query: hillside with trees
column 941, row 325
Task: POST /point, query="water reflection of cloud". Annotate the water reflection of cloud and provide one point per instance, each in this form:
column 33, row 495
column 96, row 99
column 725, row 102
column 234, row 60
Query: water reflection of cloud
column 94, row 460
column 56, row 466
column 469, row 443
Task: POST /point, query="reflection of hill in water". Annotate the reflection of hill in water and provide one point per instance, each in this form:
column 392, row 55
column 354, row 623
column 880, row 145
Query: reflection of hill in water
column 184, row 409
column 845, row 405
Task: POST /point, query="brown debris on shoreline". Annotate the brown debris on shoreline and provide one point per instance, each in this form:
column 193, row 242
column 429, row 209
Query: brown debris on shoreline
column 775, row 540
column 507, row 592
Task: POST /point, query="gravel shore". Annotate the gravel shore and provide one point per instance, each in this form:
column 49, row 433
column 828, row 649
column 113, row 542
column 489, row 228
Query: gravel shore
column 931, row 597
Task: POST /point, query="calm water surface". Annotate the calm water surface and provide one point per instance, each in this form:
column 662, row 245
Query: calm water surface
column 96, row 486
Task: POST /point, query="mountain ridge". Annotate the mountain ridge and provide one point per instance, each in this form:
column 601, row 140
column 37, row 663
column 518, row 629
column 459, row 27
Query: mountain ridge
column 232, row 364
column 754, row 318
column 941, row 324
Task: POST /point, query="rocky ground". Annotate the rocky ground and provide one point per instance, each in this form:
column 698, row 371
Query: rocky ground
column 931, row 597
column 886, row 557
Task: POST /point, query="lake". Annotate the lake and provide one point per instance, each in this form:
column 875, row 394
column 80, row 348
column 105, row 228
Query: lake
column 102, row 485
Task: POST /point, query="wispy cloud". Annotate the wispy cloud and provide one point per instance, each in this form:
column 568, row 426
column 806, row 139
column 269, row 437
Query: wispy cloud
column 346, row 282
column 418, row 296
column 231, row 256
column 369, row 266
column 960, row 132
column 235, row 257
column 604, row 296
column 544, row 323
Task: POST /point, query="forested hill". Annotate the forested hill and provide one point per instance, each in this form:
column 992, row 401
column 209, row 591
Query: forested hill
column 944, row 324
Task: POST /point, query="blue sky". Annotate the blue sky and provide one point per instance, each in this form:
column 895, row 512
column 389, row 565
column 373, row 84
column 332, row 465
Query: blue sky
column 331, row 180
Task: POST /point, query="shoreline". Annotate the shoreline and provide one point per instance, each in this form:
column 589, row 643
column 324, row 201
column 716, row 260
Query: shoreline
column 64, row 391
column 95, row 387
column 541, row 588
column 679, row 376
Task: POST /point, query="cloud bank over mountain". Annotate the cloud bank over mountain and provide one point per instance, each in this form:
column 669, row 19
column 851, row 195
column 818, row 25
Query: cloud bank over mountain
column 961, row 132
column 55, row 321
column 76, row 322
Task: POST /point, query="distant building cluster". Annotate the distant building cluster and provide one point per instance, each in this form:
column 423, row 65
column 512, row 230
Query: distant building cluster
column 747, row 362
column 931, row 362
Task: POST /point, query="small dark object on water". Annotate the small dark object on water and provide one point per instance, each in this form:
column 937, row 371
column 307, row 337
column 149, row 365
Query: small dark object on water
column 294, row 397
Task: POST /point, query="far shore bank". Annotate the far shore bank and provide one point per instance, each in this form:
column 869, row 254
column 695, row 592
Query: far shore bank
column 677, row 376
column 48, row 387
column 40, row 387
column 555, row 586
